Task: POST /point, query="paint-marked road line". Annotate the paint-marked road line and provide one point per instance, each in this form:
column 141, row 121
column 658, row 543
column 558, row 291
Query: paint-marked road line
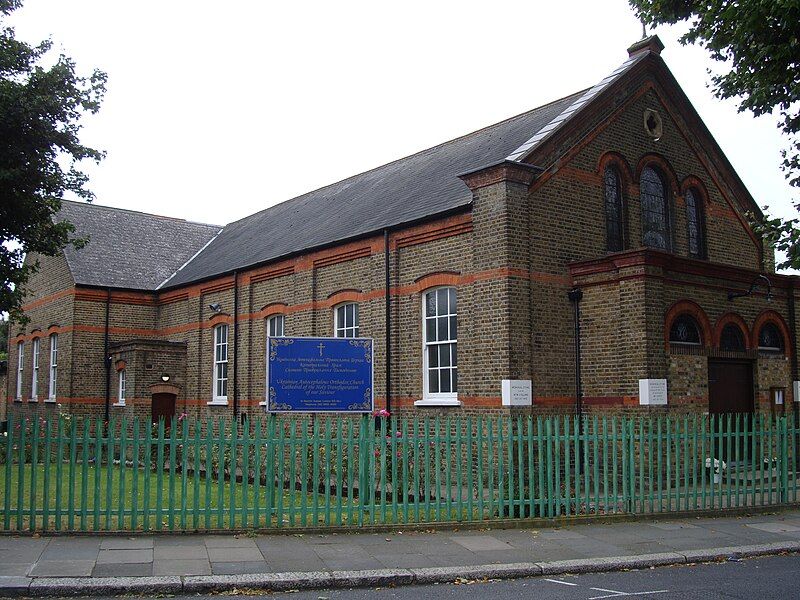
column 561, row 582
column 617, row 594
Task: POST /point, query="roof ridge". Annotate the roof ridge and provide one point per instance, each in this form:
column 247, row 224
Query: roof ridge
column 413, row 154
column 139, row 212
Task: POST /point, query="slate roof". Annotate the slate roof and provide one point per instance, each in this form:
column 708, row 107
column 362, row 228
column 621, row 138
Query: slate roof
column 403, row 191
column 129, row 249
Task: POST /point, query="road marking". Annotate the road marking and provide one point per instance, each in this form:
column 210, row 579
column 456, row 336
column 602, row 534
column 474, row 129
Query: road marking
column 618, row 594
column 561, row 582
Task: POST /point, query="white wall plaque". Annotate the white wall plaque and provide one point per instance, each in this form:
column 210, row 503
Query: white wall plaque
column 653, row 392
column 796, row 390
column 517, row 392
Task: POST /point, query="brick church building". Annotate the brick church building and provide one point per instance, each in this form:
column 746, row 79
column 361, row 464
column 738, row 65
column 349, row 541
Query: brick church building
column 587, row 246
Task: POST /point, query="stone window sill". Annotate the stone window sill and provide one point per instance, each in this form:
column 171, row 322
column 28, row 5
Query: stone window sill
column 438, row 402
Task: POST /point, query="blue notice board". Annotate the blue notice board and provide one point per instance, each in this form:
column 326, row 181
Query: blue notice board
column 319, row 374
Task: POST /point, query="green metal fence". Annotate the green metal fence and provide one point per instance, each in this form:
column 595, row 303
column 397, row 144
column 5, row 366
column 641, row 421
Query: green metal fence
column 68, row 474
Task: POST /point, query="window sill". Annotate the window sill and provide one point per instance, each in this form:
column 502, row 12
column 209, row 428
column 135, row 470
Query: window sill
column 50, row 400
column 17, row 399
column 264, row 403
column 218, row 403
column 438, row 402
column 118, row 404
column 33, row 399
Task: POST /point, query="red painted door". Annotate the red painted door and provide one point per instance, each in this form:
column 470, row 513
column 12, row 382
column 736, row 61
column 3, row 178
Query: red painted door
column 730, row 392
column 163, row 406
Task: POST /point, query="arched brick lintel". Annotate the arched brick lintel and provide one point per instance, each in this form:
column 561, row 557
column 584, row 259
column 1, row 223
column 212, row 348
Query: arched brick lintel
column 770, row 316
column 665, row 168
column 736, row 320
column 683, row 307
column 616, row 159
column 441, row 279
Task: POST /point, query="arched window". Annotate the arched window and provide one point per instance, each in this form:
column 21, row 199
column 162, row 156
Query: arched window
column 731, row 339
column 35, row 369
column 440, row 337
column 275, row 326
column 655, row 216
column 695, row 223
column 121, row 387
column 20, row 367
column 770, row 338
column 220, row 386
column 345, row 323
column 685, row 331
column 613, row 203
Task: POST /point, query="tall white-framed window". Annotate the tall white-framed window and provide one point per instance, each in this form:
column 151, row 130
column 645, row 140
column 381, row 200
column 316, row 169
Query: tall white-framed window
column 220, row 385
column 275, row 326
column 345, row 320
column 20, row 367
column 121, row 387
column 35, row 370
column 51, row 392
column 440, row 340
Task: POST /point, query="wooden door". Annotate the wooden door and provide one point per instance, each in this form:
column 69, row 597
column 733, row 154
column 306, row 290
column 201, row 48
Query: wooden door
column 730, row 392
column 163, row 406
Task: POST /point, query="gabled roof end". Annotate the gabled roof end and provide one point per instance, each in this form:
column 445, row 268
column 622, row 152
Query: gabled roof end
column 651, row 43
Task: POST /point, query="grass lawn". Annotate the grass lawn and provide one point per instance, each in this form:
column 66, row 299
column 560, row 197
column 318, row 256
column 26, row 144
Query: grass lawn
column 121, row 498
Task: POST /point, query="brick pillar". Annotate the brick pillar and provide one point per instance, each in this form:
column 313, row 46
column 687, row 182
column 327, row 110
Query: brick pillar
column 496, row 326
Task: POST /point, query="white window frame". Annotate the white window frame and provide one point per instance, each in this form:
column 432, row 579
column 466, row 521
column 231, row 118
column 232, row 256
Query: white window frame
column 53, row 380
column 436, row 398
column 122, row 391
column 220, row 364
column 268, row 327
column 343, row 329
column 35, row 348
column 20, row 368
column 276, row 325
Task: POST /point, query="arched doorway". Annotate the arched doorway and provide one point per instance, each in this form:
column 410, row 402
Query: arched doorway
column 163, row 400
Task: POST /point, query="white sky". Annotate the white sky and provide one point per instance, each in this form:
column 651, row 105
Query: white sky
column 216, row 110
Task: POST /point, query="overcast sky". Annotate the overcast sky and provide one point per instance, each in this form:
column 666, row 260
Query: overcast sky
column 216, row 110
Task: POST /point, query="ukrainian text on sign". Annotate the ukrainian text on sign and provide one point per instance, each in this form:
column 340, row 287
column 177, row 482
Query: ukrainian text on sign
column 319, row 374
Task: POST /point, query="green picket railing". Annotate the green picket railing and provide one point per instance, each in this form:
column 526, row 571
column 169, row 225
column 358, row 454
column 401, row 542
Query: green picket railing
column 70, row 474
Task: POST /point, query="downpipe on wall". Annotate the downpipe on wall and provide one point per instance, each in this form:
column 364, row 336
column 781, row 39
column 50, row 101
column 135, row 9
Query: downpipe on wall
column 575, row 296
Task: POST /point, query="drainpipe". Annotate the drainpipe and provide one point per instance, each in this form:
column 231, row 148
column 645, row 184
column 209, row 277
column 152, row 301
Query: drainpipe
column 575, row 296
column 235, row 344
column 388, row 322
column 106, row 357
column 792, row 341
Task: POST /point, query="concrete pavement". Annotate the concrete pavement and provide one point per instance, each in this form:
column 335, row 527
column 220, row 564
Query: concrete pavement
column 173, row 563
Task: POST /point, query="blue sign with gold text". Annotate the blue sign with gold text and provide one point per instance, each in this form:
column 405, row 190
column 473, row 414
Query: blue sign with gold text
column 319, row 374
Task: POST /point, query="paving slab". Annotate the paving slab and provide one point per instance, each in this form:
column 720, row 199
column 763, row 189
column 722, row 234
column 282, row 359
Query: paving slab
column 14, row 569
column 123, row 570
column 63, row 568
column 229, row 541
column 475, row 543
column 144, row 555
column 131, row 543
column 239, row 568
column 775, row 527
column 180, row 552
column 190, row 566
column 235, row 554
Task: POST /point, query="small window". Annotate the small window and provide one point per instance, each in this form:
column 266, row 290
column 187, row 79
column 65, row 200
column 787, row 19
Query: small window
column 220, row 384
column 51, row 392
column 121, row 382
column 346, row 320
column 613, row 202
column 35, row 369
column 684, row 331
column 655, row 216
column 440, row 357
column 695, row 224
column 770, row 338
column 732, row 339
column 275, row 326
column 20, row 367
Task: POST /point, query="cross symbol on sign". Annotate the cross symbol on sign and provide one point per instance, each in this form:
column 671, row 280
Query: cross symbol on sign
column 321, row 346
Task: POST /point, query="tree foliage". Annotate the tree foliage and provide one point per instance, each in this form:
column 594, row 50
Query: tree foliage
column 758, row 42
column 42, row 100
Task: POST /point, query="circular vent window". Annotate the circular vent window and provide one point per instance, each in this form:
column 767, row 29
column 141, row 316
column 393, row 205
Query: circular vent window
column 652, row 124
